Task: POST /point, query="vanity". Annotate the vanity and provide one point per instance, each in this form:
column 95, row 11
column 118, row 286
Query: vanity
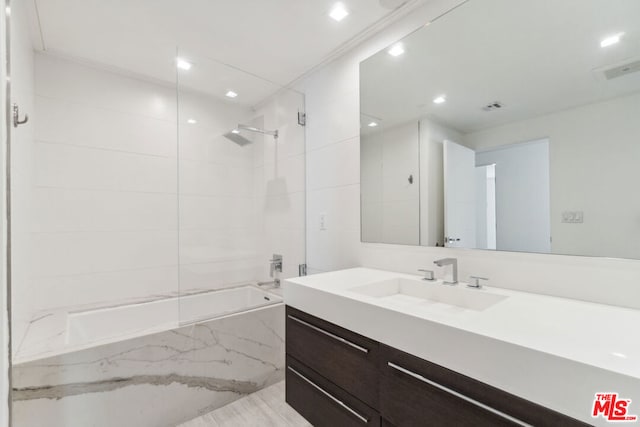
column 494, row 127
column 377, row 348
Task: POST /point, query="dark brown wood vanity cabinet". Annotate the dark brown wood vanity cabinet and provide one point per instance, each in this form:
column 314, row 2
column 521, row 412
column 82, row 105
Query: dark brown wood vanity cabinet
column 336, row 378
column 413, row 390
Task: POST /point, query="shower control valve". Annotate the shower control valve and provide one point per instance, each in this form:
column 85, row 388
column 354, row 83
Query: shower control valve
column 276, row 264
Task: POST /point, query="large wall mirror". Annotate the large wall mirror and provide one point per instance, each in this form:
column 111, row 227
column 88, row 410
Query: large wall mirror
column 508, row 125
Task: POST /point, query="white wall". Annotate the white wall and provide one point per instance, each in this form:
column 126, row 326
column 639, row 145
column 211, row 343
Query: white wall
column 98, row 196
column 594, row 154
column 522, row 195
column 333, row 186
column 390, row 203
column 22, row 93
column 333, row 152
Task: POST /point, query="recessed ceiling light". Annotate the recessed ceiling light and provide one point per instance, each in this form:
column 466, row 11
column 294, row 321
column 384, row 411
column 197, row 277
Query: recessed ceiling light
column 339, row 12
column 372, row 124
column 236, row 131
column 611, row 40
column 396, row 50
column 440, row 99
column 231, row 94
column 182, row 64
column 192, row 121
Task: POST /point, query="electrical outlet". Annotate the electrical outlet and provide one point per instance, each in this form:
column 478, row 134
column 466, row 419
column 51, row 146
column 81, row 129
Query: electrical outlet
column 573, row 217
column 323, row 221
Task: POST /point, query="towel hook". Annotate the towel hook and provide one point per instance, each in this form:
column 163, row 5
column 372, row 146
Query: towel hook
column 16, row 116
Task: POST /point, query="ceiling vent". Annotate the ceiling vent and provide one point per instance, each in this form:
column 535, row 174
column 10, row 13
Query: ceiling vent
column 622, row 70
column 496, row 105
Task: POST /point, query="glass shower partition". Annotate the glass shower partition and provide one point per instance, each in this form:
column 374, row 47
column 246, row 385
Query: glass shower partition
column 241, row 184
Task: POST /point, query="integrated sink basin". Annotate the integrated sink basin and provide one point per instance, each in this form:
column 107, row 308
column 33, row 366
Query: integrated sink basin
column 404, row 292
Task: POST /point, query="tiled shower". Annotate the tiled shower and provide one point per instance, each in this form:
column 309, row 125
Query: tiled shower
column 129, row 203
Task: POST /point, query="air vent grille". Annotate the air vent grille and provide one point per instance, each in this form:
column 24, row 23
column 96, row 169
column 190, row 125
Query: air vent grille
column 622, row 70
column 496, row 105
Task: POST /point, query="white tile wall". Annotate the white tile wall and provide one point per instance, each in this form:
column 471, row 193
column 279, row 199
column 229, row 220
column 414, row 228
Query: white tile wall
column 333, row 164
column 97, row 181
column 95, row 88
column 95, row 189
column 218, row 225
column 73, row 123
column 73, row 167
column 23, row 93
column 240, row 204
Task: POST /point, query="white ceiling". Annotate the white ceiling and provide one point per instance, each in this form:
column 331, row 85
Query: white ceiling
column 278, row 40
column 535, row 56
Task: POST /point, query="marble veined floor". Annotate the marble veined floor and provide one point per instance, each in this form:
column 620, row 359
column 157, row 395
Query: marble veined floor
column 265, row 408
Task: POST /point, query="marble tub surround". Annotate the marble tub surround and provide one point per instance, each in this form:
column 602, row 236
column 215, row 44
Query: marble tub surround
column 553, row 351
column 48, row 333
column 161, row 379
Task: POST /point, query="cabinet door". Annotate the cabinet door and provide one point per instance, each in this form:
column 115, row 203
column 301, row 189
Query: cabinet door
column 415, row 392
column 408, row 400
column 345, row 358
column 322, row 403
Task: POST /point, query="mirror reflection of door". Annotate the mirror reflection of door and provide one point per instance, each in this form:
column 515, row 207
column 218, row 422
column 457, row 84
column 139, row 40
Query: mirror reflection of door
column 459, row 196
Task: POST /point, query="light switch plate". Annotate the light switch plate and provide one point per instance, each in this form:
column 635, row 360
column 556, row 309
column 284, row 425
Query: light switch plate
column 573, row 217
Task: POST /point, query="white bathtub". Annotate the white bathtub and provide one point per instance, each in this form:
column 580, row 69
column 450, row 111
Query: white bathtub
column 106, row 324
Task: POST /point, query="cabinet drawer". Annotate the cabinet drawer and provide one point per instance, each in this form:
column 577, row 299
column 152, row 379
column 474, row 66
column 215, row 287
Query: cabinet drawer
column 415, row 392
column 345, row 358
column 322, row 403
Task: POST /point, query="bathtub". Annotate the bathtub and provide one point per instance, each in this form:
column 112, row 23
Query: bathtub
column 128, row 366
column 105, row 324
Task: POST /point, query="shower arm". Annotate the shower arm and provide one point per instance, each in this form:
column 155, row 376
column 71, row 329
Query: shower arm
column 273, row 133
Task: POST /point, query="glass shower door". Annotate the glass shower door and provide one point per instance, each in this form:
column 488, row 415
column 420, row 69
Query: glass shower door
column 241, row 185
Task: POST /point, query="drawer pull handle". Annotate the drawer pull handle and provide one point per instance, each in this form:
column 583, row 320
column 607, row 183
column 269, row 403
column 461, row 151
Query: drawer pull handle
column 330, row 396
column 329, row 334
column 456, row 394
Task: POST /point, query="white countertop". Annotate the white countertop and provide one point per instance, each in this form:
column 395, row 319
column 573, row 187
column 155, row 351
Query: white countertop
column 554, row 351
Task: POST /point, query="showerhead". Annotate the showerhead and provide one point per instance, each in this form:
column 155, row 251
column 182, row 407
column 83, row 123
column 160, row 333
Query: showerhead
column 236, row 136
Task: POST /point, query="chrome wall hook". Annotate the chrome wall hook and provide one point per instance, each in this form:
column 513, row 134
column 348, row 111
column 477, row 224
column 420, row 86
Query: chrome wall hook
column 16, row 116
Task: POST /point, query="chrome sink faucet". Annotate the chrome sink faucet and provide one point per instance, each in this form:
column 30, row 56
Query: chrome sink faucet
column 453, row 262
